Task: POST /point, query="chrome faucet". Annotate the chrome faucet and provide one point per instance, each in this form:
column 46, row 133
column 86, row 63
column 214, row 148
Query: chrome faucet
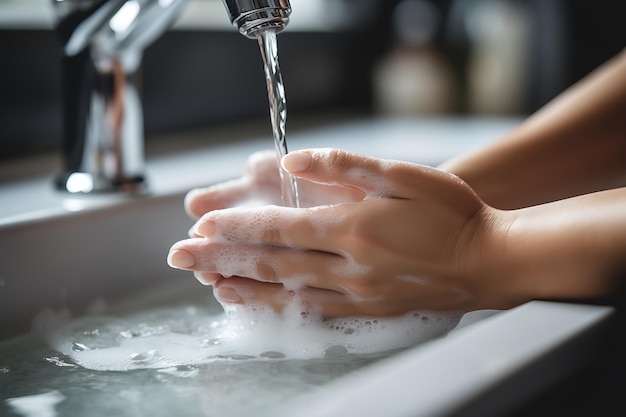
column 102, row 43
column 251, row 17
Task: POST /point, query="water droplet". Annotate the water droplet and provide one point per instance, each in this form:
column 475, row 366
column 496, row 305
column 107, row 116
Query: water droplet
column 272, row 355
column 210, row 342
column 335, row 351
column 143, row 356
column 79, row 347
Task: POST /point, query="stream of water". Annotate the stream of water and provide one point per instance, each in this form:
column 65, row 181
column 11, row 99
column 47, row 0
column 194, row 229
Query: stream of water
column 278, row 112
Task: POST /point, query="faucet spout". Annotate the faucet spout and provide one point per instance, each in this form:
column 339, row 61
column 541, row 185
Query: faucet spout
column 251, row 17
column 102, row 43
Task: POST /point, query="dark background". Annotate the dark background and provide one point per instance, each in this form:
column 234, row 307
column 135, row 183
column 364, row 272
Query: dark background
column 206, row 78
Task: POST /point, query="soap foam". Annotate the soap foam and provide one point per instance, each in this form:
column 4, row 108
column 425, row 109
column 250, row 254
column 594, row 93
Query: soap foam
column 190, row 335
column 38, row 405
column 258, row 223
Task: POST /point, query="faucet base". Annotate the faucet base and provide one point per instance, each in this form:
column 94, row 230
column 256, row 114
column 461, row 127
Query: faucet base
column 88, row 183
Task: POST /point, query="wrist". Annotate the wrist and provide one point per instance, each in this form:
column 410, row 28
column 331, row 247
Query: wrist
column 490, row 272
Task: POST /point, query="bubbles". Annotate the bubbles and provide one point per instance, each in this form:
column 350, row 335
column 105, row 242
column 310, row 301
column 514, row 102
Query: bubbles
column 210, row 342
column 79, row 347
column 335, row 352
column 170, row 338
column 59, row 362
column 144, row 356
column 351, row 267
column 272, row 355
column 183, row 371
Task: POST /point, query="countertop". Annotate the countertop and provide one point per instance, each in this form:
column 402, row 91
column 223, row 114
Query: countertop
column 428, row 141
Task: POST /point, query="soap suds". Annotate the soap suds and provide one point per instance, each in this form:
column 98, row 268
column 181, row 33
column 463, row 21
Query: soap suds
column 414, row 279
column 350, row 267
column 170, row 338
column 39, row 405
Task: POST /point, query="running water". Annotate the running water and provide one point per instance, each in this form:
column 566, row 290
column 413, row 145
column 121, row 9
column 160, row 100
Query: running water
column 278, row 112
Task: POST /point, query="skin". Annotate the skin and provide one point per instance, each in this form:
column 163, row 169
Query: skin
column 539, row 215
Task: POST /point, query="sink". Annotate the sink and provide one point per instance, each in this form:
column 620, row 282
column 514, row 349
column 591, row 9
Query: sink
column 65, row 253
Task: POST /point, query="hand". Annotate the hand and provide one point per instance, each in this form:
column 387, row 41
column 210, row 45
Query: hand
column 260, row 185
column 418, row 238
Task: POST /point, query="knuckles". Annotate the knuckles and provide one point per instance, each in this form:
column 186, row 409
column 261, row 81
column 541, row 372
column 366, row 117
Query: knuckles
column 266, row 272
column 364, row 287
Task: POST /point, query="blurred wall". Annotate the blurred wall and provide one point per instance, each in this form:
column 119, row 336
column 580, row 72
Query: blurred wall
column 189, row 79
column 204, row 78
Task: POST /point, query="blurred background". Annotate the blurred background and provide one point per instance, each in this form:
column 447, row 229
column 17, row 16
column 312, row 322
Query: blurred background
column 340, row 59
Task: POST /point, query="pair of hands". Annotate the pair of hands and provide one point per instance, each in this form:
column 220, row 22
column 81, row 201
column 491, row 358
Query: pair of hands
column 374, row 238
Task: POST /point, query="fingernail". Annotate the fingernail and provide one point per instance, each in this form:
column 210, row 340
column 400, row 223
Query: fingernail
column 181, row 259
column 297, row 161
column 228, row 295
column 206, row 228
column 200, row 277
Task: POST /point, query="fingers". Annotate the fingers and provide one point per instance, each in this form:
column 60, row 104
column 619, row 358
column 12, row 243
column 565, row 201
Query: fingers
column 375, row 177
column 295, row 268
column 237, row 290
column 207, row 278
column 316, row 228
column 259, row 186
column 202, row 200
column 243, row 291
column 338, row 167
column 329, row 303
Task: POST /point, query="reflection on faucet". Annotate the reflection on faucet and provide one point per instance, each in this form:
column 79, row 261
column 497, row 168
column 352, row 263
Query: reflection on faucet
column 102, row 43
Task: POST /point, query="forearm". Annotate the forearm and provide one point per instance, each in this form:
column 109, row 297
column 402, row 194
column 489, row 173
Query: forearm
column 570, row 249
column 574, row 145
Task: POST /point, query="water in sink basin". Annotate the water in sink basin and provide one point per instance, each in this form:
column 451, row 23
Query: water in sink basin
column 178, row 360
column 222, row 388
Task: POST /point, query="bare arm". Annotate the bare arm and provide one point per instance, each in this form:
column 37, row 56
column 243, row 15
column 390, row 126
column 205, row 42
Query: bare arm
column 569, row 249
column 575, row 145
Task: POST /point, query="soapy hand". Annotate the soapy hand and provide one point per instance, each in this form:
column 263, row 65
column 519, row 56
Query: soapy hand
column 260, row 185
column 417, row 238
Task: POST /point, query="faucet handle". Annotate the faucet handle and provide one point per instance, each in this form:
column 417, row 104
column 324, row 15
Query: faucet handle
column 251, row 17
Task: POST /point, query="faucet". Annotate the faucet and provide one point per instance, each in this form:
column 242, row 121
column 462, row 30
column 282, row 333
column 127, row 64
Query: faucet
column 102, row 43
column 251, row 17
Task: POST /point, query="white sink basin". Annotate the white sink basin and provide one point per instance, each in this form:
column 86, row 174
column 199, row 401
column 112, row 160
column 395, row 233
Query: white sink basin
column 60, row 251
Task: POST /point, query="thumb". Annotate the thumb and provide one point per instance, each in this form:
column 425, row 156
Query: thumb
column 339, row 167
